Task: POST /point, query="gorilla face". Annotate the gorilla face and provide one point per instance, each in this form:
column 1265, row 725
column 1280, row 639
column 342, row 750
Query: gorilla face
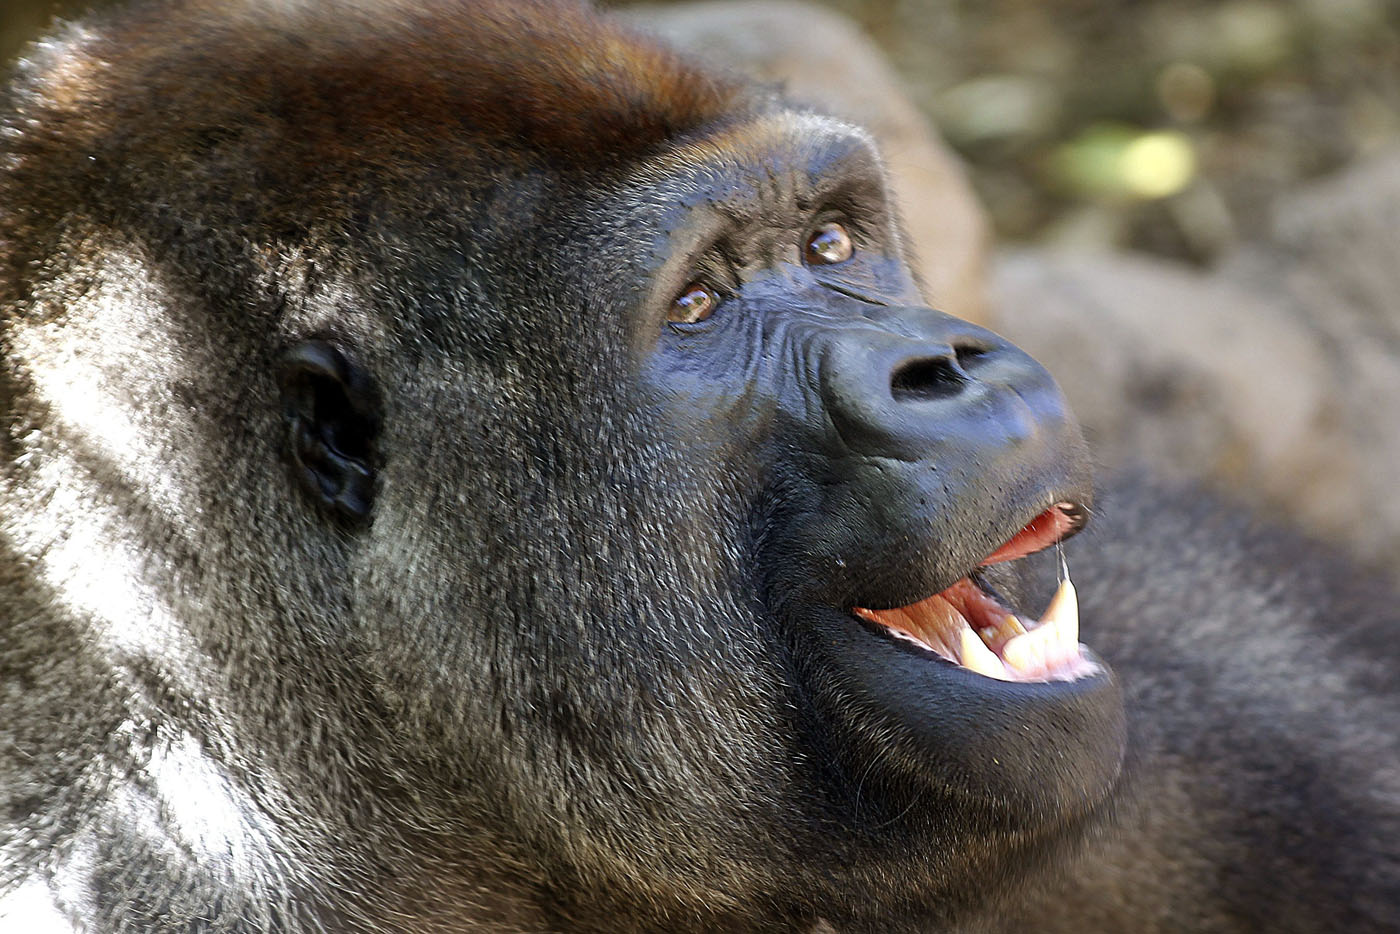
column 895, row 455
column 788, row 497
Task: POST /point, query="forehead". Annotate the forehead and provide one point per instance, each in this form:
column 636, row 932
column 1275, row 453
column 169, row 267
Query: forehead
column 782, row 159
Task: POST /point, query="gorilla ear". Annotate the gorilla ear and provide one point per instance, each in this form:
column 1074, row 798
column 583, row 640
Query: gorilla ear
column 331, row 410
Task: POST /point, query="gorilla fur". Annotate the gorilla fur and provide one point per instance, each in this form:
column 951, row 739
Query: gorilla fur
column 380, row 557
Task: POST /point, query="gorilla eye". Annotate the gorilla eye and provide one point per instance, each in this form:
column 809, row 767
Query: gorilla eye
column 696, row 303
column 829, row 244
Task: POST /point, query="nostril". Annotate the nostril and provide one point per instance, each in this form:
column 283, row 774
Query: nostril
column 927, row 378
column 967, row 354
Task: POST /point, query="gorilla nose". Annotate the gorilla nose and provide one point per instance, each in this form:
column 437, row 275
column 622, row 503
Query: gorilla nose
column 924, row 380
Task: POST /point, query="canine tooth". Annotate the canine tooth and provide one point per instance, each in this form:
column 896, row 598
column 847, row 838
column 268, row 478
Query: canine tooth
column 974, row 655
column 1052, row 645
column 1063, row 614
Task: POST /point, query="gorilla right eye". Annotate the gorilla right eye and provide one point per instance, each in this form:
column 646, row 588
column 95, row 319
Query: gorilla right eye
column 696, row 303
column 828, row 245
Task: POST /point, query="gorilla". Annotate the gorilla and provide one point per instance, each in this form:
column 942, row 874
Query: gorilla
column 470, row 468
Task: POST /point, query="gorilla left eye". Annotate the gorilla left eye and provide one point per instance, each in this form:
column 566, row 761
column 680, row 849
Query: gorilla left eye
column 829, row 244
column 694, row 304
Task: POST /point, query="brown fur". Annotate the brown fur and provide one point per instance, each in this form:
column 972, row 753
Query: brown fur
column 391, row 80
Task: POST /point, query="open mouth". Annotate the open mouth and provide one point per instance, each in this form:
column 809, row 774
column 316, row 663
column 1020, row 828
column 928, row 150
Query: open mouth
column 970, row 627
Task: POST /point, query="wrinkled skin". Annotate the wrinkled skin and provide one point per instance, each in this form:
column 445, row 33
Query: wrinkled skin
column 385, row 557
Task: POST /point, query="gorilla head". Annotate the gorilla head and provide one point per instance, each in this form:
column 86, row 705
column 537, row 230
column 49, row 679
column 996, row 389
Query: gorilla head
column 510, row 475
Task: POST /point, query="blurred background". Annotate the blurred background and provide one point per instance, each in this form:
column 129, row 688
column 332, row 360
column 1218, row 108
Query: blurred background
column 1167, row 125
column 1164, row 125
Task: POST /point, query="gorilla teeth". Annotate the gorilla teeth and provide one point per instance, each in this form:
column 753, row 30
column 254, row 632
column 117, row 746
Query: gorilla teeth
column 975, row 656
column 1050, row 650
column 1002, row 646
column 1003, row 632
